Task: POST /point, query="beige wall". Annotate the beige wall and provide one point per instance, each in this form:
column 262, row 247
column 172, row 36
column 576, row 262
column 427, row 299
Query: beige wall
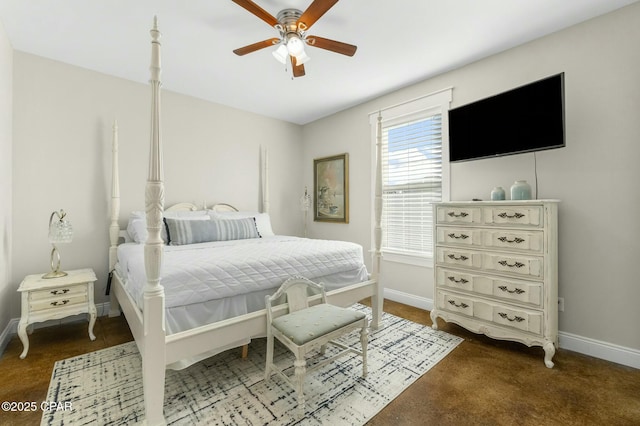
column 60, row 145
column 7, row 291
column 595, row 175
column 62, row 159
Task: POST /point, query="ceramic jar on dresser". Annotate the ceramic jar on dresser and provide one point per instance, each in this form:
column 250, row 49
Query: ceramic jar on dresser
column 496, row 269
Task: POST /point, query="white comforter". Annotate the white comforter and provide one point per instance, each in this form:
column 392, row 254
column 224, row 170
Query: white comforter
column 208, row 271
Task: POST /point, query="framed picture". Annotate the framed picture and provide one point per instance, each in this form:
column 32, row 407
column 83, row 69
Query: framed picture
column 331, row 189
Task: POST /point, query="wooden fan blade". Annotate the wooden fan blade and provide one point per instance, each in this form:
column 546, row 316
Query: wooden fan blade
column 332, row 45
column 257, row 10
column 298, row 70
column 314, row 12
column 256, row 46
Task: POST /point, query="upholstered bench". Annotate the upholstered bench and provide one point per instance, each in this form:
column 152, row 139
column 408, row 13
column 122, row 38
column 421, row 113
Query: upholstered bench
column 306, row 328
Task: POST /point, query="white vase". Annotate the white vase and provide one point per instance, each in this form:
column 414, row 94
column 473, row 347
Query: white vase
column 520, row 190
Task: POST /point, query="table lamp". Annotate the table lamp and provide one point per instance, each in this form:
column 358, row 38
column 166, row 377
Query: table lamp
column 60, row 231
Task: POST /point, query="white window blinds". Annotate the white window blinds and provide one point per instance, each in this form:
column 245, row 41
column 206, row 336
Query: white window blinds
column 413, row 142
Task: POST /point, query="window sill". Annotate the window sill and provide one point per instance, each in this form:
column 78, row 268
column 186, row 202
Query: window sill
column 408, row 259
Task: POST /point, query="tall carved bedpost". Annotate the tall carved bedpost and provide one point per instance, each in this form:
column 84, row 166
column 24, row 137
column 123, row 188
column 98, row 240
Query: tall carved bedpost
column 265, row 181
column 114, row 228
column 154, row 356
column 378, row 299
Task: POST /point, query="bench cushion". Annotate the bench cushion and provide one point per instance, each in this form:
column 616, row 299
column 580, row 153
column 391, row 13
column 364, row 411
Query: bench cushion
column 307, row 324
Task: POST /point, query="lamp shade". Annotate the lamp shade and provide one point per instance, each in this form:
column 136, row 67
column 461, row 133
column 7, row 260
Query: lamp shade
column 60, row 231
column 295, row 46
column 281, row 53
column 302, row 58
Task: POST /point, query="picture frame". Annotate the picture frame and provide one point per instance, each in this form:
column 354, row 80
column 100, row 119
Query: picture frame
column 331, row 189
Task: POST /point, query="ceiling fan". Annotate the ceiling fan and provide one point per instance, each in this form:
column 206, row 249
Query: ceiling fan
column 292, row 24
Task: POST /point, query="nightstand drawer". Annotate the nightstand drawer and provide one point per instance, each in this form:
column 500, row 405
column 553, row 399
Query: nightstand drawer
column 67, row 292
column 58, row 302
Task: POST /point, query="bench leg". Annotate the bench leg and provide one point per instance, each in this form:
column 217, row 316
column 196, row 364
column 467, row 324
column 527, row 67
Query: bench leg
column 300, row 365
column 269, row 362
column 364, row 341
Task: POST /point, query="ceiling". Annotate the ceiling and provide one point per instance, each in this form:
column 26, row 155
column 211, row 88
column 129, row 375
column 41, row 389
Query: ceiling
column 400, row 42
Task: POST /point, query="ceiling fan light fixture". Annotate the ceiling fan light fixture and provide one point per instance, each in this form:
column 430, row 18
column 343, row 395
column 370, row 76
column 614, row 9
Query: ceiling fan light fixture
column 302, row 58
column 281, row 53
column 295, row 46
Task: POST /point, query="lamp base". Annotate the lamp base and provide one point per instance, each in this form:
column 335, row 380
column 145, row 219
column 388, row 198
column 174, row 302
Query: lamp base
column 54, row 274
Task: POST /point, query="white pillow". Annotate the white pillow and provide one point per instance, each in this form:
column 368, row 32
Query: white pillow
column 137, row 226
column 263, row 220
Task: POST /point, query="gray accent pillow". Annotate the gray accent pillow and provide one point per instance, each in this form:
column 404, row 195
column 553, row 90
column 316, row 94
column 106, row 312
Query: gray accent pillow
column 183, row 232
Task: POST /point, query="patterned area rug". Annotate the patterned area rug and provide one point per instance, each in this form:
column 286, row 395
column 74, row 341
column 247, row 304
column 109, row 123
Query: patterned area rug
column 105, row 387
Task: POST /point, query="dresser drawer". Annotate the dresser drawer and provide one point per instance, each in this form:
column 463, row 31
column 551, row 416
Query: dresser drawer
column 58, row 302
column 502, row 239
column 458, row 257
column 514, row 264
column 460, row 236
column 61, row 291
column 461, row 215
column 489, row 312
column 510, row 290
column 514, row 215
column 528, row 266
column 531, row 241
column 530, row 321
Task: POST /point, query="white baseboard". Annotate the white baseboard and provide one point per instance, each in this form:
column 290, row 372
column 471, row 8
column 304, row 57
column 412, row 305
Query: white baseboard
column 583, row 345
column 408, row 299
column 603, row 350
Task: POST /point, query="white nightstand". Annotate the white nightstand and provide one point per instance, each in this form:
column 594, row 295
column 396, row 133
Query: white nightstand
column 55, row 298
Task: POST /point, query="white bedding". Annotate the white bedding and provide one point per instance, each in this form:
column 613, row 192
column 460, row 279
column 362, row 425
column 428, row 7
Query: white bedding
column 199, row 273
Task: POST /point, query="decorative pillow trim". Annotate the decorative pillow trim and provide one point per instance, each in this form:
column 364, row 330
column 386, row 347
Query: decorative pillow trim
column 201, row 231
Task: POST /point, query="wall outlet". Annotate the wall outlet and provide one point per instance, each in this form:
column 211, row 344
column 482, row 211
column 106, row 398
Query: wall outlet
column 561, row 304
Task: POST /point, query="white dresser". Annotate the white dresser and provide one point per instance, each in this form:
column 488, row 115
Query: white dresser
column 496, row 269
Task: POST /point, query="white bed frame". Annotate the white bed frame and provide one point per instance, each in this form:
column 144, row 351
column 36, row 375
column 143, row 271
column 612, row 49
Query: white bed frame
column 148, row 325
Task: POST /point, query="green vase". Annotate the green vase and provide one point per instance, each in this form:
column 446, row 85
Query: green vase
column 520, row 190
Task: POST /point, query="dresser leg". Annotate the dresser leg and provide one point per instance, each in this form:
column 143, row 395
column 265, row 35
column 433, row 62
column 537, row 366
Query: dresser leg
column 24, row 338
column 549, row 352
column 434, row 319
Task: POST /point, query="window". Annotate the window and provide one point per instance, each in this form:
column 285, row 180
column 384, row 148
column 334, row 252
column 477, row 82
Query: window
column 414, row 174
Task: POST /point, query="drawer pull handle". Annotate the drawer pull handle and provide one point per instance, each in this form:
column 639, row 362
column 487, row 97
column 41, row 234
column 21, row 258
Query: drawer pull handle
column 506, row 215
column 63, row 291
column 461, row 214
column 458, row 305
column 516, row 240
column 458, row 237
column 516, row 318
column 461, row 257
column 511, row 265
column 60, row 302
column 460, row 281
column 516, row 290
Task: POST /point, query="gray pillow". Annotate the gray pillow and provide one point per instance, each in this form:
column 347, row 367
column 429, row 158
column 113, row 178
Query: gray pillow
column 183, row 232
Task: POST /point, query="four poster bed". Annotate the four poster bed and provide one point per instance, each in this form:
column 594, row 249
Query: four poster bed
column 178, row 318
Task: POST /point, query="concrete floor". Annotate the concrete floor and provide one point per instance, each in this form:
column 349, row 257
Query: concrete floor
column 482, row 382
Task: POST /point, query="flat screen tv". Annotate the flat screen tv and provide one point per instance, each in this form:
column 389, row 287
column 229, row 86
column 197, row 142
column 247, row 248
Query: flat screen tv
column 524, row 119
